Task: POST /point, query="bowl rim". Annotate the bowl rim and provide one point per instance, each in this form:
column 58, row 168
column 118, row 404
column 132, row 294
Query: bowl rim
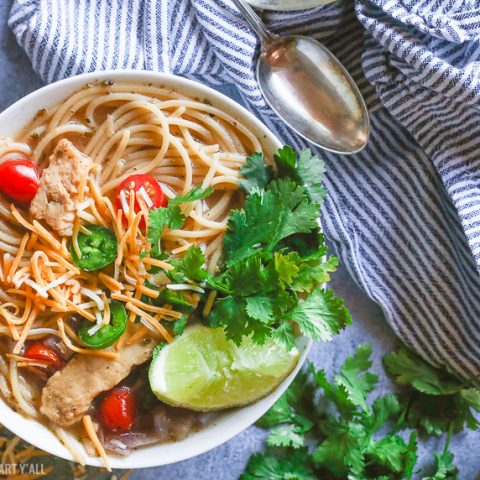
column 238, row 420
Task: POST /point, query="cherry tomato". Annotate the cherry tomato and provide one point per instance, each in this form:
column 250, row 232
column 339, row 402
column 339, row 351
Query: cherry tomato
column 39, row 351
column 19, row 179
column 117, row 410
column 135, row 183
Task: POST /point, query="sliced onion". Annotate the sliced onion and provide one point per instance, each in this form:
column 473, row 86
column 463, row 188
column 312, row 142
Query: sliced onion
column 185, row 286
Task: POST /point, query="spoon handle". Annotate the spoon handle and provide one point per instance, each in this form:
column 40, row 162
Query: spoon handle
column 254, row 21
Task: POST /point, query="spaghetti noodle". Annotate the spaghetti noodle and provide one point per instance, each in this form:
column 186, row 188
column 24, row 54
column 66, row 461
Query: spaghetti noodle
column 125, row 129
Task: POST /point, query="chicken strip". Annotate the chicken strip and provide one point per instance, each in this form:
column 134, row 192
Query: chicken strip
column 69, row 393
column 57, row 197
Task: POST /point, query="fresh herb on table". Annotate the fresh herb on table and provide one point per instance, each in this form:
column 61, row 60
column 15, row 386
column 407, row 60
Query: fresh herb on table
column 275, row 263
column 323, row 428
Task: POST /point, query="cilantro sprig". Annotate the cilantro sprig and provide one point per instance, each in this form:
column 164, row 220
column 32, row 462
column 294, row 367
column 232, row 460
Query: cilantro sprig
column 171, row 216
column 323, row 428
column 274, row 255
column 440, row 401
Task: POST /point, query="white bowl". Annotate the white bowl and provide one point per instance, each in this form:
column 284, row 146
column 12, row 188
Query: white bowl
column 228, row 424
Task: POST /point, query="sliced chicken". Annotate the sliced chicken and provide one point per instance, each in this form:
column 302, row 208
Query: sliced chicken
column 69, row 393
column 57, row 198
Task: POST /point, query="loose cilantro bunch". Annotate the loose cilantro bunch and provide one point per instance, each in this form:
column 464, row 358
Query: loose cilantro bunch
column 274, row 255
column 330, row 429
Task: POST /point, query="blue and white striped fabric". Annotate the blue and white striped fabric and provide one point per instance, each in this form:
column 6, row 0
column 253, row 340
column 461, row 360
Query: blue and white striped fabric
column 403, row 215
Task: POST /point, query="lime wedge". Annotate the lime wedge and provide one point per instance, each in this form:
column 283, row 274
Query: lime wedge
column 202, row 370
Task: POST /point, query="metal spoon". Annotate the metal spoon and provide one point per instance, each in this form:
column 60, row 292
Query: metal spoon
column 309, row 89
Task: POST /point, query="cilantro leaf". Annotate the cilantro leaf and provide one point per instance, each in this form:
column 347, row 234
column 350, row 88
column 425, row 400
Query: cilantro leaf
column 280, row 412
column 305, row 169
column 355, row 378
column 294, row 406
column 313, row 274
column 411, row 455
column 386, row 407
column 196, row 193
column 174, row 297
column 409, row 369
column 453, row 403
column 286, row 436
column 190, row 266
column 256, row 175
column 445, row 469
column 260, row 308
column 248, row 276
column 389, row 451
column 285, row 160
column 309, row 246
column 286, row 266
column 321, row 315
column 230, row 312
column 311, row 170
column 300, row 215
column 267, row 218
column 273, row 249
column 296, row 465
column 285, row 334
column 435, row 415
column 179, row 326
column 341, row 452
column 337, row 395
column 158, row 219
column 359, row 441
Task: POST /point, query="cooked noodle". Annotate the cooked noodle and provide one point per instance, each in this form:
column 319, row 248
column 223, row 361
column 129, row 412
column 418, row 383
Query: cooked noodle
column 125, row 129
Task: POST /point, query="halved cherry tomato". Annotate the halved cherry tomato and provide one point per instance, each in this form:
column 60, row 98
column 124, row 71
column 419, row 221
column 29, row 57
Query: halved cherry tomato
column 19, row 179
column 117, row 410
column 39, row 351
column 135, row 183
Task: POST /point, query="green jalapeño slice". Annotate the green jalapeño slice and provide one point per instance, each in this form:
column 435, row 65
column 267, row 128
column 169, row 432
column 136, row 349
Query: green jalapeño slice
column 108, row 334
column 99, row 248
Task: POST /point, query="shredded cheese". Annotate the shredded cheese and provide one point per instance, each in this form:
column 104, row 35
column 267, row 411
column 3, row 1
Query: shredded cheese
column 154, row 322
column 92, row 435
column 138, row 335
column 157, row 263
column 21, row 250
column 149, row 292
column 83, row 313
column 28, row 325
column 58, row 281
column 95, row 297
column 149, row 308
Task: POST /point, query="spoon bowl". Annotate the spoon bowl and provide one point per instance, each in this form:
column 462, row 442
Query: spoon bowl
column 313, row 93
column 308, row 87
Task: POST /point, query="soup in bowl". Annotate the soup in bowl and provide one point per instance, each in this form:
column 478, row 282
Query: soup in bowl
column 129, row 335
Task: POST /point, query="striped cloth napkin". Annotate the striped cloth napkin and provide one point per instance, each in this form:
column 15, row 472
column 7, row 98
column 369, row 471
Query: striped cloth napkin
column 403, row 215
